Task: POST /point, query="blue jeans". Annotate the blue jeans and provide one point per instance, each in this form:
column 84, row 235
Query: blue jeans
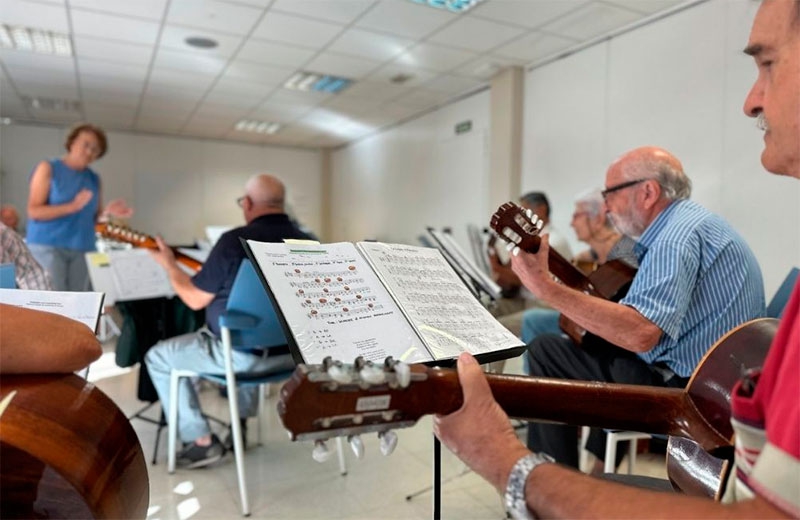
column 536, row 322
column 67, row 267
column 202, row 352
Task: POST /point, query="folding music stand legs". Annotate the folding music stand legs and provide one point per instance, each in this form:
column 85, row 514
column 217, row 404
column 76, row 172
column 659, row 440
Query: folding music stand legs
column 161, row 422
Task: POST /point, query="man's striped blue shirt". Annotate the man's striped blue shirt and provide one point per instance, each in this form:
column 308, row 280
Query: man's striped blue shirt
column 697, row 280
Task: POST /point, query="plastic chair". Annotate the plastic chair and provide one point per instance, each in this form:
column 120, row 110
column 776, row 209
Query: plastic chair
column 249, row 322
column 613, row 437
column 7, row 276
column 781, row 297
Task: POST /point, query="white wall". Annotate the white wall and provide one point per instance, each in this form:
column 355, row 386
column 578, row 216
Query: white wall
column 177, row 186
column 393, row 185
column 678, row 83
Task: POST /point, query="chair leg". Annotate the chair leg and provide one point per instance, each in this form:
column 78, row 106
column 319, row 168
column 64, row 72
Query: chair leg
column 236, row 425
column 583, row 455
column 261, row 399
column 609, row 465
column 632, row 447
column 342, row 461
column 172, row 422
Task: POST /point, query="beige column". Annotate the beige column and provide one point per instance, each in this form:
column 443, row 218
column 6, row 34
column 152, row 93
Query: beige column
column 505, row 149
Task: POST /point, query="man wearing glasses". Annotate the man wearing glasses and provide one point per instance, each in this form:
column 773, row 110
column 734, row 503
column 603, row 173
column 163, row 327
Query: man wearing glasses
column 697, row 280
column 263, row 209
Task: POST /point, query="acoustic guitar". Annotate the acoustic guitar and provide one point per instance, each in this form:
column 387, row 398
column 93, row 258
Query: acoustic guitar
column 316, row 404
column 67, row 451
column 610, row 281
column 138, row 239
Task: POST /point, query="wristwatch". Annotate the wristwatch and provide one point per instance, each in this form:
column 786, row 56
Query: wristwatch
column 515, row 489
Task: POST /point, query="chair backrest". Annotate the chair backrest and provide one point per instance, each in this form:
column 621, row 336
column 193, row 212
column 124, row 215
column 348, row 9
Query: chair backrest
column 7, row 272
column 248, row 297
column 778, row 302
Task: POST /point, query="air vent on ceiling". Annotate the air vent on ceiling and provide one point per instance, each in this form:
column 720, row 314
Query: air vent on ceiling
column 313, row 81
column 400, row 78
column 456, row 6
column 34, row 40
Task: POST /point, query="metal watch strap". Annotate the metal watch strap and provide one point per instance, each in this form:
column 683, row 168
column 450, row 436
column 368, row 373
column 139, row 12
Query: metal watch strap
column 515, row 489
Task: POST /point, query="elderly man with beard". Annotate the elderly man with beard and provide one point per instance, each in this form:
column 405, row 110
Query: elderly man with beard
column 697, row 280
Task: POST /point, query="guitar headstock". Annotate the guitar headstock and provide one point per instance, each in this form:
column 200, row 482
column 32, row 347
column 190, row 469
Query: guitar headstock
column 333, row 399
column 517, row 226
column 124, row 234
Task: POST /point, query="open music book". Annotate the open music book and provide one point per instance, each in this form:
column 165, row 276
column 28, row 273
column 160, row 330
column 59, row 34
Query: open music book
column 376, row 300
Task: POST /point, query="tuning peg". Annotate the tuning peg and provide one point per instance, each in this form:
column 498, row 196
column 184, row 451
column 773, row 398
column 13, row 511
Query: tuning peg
column 403, row 372
column 530, row 214
column 373, row 374
column 357, row 445
column 539, row 224
column 510, row 246
column 388, row 442
column 321, row 452
column 339, row 373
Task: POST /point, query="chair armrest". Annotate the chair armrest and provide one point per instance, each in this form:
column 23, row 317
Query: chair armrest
column 237, row 321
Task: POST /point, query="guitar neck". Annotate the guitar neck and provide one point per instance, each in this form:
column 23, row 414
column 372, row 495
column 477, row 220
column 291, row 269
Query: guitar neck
column 569, row 275
column 137, row 239
column 666, row 411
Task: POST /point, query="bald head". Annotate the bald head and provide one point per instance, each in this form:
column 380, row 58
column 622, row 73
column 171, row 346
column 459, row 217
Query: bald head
column 651, row 162
column 264, row 195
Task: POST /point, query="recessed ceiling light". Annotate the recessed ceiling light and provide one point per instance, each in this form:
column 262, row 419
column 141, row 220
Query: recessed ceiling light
column 456, row 6
column 201, row 42
column 258, row 127
column 34, row 40
column 312, row 81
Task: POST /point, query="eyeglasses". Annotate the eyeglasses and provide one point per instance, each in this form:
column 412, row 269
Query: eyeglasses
column 620, row 186
column 240, row 200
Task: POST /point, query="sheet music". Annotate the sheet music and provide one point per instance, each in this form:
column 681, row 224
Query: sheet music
column 436, row 302
column 137, row 276
column 334, row 303
column 80, row 306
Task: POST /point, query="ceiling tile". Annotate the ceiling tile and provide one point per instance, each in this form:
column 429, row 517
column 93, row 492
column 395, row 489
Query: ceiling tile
column 110, row 116
column 525, row 12
column 23, row 77
column 368, row 44
column 219, row 98
column 340, row 11
column 165, row 124
column 435, row 57
column 95, row 48
column 222, row 111
column 114, row 27
column 421, row 99
column 174, row 37
column 272, row 53
column 194, row 62
column 340, row 65
column 280, row 113
column 351, row 105
column 374, row 90
column 103, row 85
column 213, row 15
column 178, row 106
column 261, row 74
column 453, row 85
column 404, row 18
column 237, row 87
column 646, row 6
column 147, row 9
column 417, row 75
column 293, row 29
column 30, row 14
column 486, row 67
column 30, row 60
column 50, row 89
column 107, row 69
column 173, row 79
column 592, row 20
column 296, row 97
column 534, row 47
column 328, row 121
column 475, row 34
column 105, row 97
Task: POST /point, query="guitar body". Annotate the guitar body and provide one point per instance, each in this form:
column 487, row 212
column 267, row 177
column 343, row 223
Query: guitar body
column 611, row 281
column 67, row 451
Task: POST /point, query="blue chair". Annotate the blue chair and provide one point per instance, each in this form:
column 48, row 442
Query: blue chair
column 249, row 322
column 7, row 276
column 781, row 297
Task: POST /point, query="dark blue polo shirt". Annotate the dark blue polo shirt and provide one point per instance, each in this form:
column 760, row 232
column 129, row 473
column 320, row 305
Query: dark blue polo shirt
column 220, row 269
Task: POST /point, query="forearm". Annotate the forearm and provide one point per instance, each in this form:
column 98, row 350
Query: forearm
column 554, row 491
column 618, row 324
column 193, row 297
column 51, row 211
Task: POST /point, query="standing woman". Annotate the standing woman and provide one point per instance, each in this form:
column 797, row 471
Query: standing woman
column 64, row 203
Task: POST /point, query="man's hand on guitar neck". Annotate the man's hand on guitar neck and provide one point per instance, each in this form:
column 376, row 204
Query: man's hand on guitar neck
column 192, row 296
column 164, row 255
column 479, row 427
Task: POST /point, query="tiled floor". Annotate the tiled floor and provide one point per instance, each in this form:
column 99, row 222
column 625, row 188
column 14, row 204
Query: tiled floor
column 284, row 481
